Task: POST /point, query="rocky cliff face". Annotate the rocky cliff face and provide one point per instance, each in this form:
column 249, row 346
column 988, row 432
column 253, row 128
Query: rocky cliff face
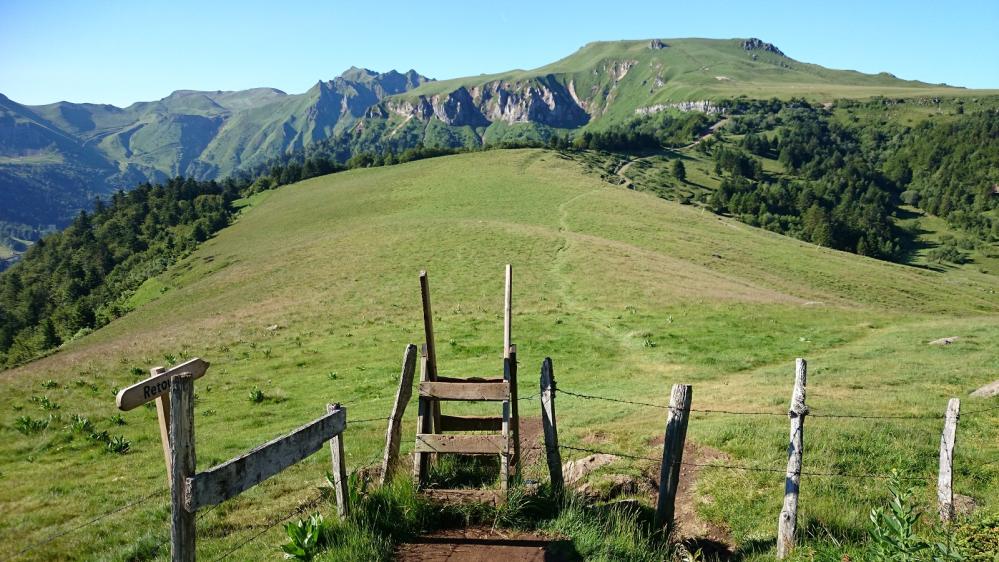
column 544, row 100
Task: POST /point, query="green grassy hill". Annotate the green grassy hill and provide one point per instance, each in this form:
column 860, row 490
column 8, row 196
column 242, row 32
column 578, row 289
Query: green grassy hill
column 626, row 292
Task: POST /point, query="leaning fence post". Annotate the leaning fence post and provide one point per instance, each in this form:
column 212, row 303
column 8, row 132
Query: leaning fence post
column 163, row 417
column 676, row 434
column 182, row 460
column 550, row 427
column 792, row 479
column 339, row 467
column 945, row 490
column 393, row 435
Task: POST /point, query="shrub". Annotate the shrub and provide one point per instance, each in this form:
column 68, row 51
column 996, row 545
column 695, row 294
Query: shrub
column 306, row 537
column 28, row 425
column 118, row 444
column 256, row 395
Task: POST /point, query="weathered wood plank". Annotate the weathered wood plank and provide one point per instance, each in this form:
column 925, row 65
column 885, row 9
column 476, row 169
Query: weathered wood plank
column 393, row 435
column 141, row 392
column 508, row 311
column 182, row 521
column 339, row 467
column 163, row 418
column 224, row 481
column 948, row 439
column 510, row 373
column 467, row 444
column 431, row 347
column 550, row 427
column 421, row 462
column 786, row 526
column 676, row 434
column 469, row 495
column 471, row 423
column 471, row 392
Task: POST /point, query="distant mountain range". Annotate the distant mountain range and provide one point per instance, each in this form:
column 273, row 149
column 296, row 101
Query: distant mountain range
column 54, row 159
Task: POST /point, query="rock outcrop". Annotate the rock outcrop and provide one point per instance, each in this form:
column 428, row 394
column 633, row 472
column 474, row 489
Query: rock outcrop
column 702, row 106
column 754, row 44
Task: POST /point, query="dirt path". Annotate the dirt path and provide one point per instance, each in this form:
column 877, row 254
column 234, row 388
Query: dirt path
column 483, row 544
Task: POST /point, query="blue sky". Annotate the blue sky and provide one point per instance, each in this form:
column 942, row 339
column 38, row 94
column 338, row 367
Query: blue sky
column 120, row 52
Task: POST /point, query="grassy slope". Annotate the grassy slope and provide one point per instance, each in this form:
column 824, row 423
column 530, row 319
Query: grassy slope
column 626, row 292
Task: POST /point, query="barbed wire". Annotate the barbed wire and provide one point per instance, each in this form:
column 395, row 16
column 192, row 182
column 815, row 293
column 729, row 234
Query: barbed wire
column 367, row 420
column 297, row 511
column 765, row 413
column 55, row 536
column 743, row 467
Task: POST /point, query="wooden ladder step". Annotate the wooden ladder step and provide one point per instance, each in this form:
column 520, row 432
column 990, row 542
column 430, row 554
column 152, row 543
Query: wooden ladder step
column 466, row 444
column 469, row 495
column 473, row 391
column 471, row 423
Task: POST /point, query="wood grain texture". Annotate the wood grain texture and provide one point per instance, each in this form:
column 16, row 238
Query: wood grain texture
column 510, row 373
column 469, row 379
column 139, row 393
column 430, row 347
column 228, row 479
column 471, row 392
column 393, row 435
column 163, row 418
column 421, row 461
column 787, row 524
column 465, row 444
column 948, row 439
column 676, row 433
column 338, row 462
column 550, row 427
column 508, row 311
column 182, row 527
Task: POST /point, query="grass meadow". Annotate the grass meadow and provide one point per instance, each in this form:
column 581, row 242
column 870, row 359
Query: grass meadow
column 313, row 294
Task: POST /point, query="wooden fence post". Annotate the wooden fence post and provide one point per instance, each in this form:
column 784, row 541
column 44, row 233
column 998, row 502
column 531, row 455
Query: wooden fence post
column 393, row 434
column 548, row 423
column 792, row 479
column 421, row 461
column 182, row 529
column 431, row 348
column 676, row 434
column 945, row 490
column 339, row 465
column 163, row 416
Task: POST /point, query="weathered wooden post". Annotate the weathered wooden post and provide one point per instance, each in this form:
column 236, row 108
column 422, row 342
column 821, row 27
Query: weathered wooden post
column 339, row 466
column 163, row 417
column 182, row 529
column 676, row 434
column 550, row 427
column 431, row 348
column 792, row 479
column 393, row 434
column 945, row 490
column 421, row 461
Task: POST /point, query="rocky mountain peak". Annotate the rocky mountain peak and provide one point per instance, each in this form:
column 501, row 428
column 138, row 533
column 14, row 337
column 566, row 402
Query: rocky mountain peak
column 754, row 44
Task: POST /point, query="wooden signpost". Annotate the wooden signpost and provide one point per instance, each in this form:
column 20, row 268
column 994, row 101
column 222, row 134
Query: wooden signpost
column 157, row 387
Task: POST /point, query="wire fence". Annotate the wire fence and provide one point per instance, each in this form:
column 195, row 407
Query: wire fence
column 299, row 509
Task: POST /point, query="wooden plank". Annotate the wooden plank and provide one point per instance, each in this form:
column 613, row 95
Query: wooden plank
column 141, row 392
column 469, row 379
column 507, row 311
column 339, row 467
column 510, row 373
column 163, row 417
column 421, row 462
column 948, row 439
column 182, row 520
column 466, row 444
column 471, row 392
column 471, row 423
column 393, row 435
column 504, row 476
column 786, row 526
column 224, row 481
column 431, row 347
column 676, row 434
column 469, row 495
column 550, row 427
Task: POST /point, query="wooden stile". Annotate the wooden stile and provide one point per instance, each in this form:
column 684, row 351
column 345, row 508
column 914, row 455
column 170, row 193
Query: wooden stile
column 948, row 439
column 550, row 427
column 338, row 463
column 510, row 373
column 468, row 392
column 471, row 423
column 431, row 348
column 421, row 461
column 464, row 444
column 787, row 524
column 393, row 435
column 182, row 528
column 228, row 479
column 676, row 434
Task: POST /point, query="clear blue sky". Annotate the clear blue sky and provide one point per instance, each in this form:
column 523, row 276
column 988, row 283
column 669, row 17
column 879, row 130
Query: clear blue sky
column 120, row 52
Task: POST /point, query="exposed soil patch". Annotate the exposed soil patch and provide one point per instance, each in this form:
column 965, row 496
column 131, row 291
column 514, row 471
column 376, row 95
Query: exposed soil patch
column 714, row 540
column 484, row 544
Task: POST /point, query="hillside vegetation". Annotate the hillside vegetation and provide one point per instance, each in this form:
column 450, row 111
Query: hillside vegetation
column 311, row 295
